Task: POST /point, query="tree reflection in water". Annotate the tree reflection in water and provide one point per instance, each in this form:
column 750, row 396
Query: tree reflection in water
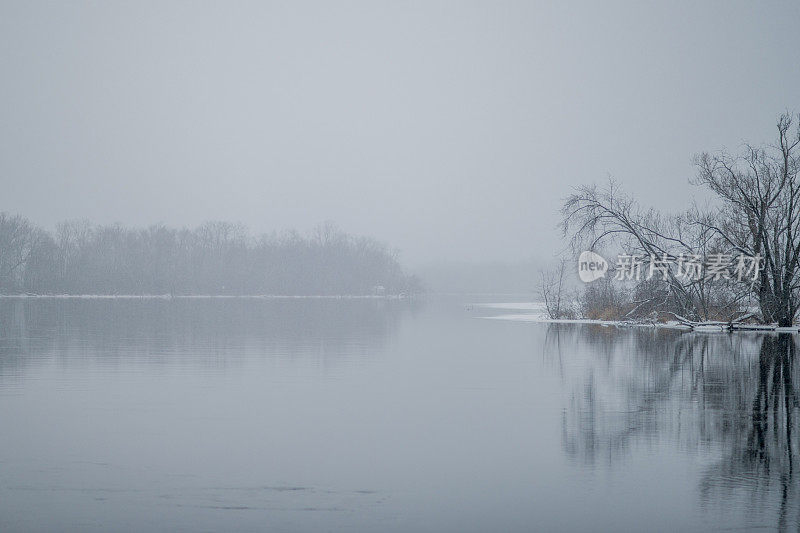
column 203, row 332
column 730, row 397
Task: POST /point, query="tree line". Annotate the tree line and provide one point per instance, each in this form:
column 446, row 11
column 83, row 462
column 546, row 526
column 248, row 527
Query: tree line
column 217, row 258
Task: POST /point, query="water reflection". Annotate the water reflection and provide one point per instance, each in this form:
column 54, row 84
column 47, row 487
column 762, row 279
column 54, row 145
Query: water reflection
column 191, row 414
column 194, row 332
column 729, row 400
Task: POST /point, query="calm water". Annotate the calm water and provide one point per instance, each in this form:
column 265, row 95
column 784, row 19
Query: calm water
column 354, row 415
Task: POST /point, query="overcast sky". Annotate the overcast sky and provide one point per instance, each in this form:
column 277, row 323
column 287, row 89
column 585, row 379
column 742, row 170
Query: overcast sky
column 450, row 130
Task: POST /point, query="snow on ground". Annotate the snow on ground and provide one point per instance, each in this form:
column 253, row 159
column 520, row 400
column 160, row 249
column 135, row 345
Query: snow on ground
column 537, row 313
column 515, row 306
column 533, row 317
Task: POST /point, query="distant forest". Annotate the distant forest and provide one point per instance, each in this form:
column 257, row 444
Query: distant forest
column 216, row 258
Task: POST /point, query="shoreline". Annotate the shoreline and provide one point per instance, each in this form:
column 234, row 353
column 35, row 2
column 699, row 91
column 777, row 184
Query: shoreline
column 536, row 315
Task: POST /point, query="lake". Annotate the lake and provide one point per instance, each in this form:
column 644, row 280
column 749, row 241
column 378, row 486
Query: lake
column 385, row 415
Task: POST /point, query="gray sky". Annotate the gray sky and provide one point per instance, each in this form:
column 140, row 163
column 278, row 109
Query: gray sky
column 449, row 130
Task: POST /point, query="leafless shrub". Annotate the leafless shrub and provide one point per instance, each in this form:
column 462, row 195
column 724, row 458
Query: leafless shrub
column 558, row 300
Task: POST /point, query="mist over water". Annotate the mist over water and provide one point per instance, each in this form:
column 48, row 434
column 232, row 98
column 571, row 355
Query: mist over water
column 315, row 266
column 389, row 415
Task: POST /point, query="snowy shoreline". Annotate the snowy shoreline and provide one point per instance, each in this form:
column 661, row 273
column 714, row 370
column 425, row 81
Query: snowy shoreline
column 538, row 314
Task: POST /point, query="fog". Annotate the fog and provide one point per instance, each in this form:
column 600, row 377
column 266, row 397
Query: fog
column 450, row 134
column 315, row 266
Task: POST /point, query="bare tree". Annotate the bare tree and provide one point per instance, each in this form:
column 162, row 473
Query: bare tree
column 17, row 239
column 760, row 214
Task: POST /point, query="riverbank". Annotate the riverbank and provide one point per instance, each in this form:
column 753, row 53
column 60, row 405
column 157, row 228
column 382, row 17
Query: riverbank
column 536, row 312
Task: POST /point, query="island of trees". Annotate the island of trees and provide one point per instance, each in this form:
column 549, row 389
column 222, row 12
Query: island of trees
column 754, row 212
column 216, row 258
